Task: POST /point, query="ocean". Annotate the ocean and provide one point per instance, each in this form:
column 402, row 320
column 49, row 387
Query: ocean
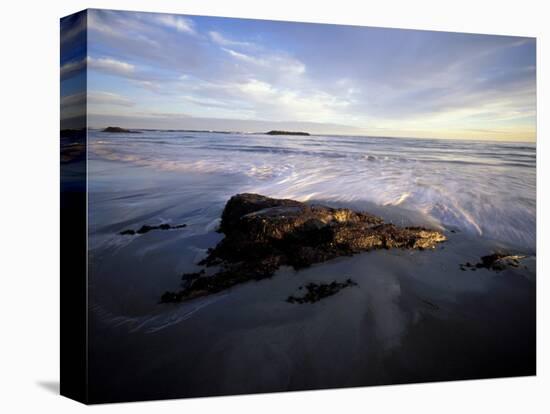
column 484, row 188
column 414, row 316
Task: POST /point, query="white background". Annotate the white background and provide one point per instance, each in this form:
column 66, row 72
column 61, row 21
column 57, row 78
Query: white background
column 29, row 206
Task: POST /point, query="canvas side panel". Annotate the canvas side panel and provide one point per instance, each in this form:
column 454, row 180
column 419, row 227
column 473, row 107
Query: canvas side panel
column 73, row 137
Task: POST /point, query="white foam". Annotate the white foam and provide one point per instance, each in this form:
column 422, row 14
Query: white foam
column 484, row 188
column 151, row 324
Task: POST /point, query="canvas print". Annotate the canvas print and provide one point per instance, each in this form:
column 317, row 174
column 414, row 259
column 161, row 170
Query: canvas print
column 254, row 206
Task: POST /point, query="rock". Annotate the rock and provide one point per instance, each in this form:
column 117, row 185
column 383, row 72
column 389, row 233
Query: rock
column 119, row 130
column 495, row 261
column 262, row 234
column 316, row 292
column 146, row 229
column 171, row 297
column 275, row 132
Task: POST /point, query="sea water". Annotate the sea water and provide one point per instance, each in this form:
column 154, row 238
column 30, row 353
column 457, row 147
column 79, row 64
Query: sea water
column 485, row 188
column 414, row 316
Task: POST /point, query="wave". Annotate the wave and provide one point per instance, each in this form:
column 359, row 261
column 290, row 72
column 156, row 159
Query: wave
column 483, row 188
column 150, row 324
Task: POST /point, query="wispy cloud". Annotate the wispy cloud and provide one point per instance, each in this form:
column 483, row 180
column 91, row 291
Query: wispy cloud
column 221, row 40
column 108, row 98
column 275, row 62
column 95, row 98
column 110, row 65
column 73, row 99
column 71, row 68
column 180, row 23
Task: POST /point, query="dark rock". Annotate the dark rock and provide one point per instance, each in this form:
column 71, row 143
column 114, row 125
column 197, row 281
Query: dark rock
column 171, row 297
column 119, row 130
column 263, row 233
column 275, row 132
column 146, row 229
column 315, row 292
column 495, row 261
column 189, row 278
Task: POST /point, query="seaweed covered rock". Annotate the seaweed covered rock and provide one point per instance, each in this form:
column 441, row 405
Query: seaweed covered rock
column 263, row 233
column 147, row 228
column 317, row 291
column 495, row 261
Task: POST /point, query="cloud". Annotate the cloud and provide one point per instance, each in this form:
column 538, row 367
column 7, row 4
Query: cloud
column 180, row 23
column 257, row 99
column 149, row 85
column 243, row 57
column 73, row 106
column 221, row 40
column 273, row 65
column 111, row 66
column 108, row 98
column 161, row 42
column 364, row 77
column 95, row 98
column 103, row 64
column 73, row 28
column 290, row 104
column 73, row 100
column 69, row 69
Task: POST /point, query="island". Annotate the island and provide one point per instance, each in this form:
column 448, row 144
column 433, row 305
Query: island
column 276, row 132
column 117, row 130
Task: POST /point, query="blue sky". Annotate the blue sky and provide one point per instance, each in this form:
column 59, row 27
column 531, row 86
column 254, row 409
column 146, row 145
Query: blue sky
column 173, row 71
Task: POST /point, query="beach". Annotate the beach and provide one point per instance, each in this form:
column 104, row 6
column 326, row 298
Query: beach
column 414, row 315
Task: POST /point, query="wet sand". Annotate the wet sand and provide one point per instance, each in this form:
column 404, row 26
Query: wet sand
column 414, row 316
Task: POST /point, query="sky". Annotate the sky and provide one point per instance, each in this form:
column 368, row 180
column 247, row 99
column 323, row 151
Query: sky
column 148, row 70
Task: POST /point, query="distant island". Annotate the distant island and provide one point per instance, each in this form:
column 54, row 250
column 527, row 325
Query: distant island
column 116, row 130
column 275, row 132
column 119, row 130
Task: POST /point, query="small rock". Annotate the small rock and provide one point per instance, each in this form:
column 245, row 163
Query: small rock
column 316, row 292
column 496, row 262
column 146, row 229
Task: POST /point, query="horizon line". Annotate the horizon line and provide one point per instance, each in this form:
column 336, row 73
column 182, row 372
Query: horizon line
column 534, row 141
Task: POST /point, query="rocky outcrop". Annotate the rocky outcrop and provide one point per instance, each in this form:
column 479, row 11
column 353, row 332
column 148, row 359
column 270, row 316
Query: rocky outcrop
column 119, row 130
column 495, row 261
column 276, row 132
column 262, row 234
